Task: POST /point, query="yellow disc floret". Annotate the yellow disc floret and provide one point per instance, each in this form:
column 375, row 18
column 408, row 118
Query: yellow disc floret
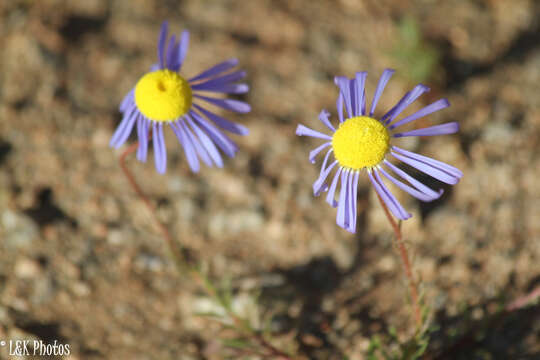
column 360, row 142
column 163, row 95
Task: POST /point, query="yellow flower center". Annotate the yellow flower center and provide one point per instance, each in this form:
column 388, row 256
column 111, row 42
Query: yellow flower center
column 163, row 95
column 360, row 142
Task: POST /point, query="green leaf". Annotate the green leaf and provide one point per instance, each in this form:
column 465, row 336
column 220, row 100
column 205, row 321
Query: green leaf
column 210, row 314
column 237, row 343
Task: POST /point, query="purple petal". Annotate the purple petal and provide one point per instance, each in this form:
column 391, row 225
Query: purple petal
column 346, row 224
column 160, row 152
column 448, row 168
column 361, row 92
column 339, row 106
column 320, row 184
column 127, row 101
column 385, row 77
column 417, row 194
column 201, row 151
column 325, row 161
column 161, row 43
column 174, row 57
column 344, row 219
column 142, row 133
column 222, row 122
column 353, row 89
column 400, row 208
column 215, row 70
column 154, row 67
column 224, row 88
column 355, row 194
column 431, row 108
column 124, row 129
column 170, row 57
column 352, row 200
column 302, row 130
column 323, row 174
column 391, row 202
column 443, row 129
column 417, row 184
column 227, row 104
column 315, row 152
column 364, row 103
column 183, row 48
column 429, row 169
column 220, row 139
column 174, row 62
column 344, row 88
column 407, row 100
column 206, row 142
column 393, row 109
column 342, row 212
column 232, row 77
column 324, row 118
column 330, row 197
column 187, row 145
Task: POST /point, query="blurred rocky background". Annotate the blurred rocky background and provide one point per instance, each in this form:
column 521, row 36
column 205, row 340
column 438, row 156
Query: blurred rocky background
column 81, row 261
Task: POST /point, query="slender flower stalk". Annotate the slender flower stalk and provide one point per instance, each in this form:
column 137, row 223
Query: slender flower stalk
column 184, row 266
column 174, row 247
column 406, row 264
column 524, row 300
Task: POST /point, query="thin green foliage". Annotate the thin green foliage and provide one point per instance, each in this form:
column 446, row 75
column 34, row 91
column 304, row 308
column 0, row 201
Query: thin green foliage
column 244, row 332
column 391, row 348
column 413, row 52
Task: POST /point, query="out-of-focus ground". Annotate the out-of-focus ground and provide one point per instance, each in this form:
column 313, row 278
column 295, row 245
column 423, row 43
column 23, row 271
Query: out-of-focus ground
column 82, row 262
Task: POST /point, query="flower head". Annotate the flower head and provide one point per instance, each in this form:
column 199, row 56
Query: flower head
column 363, row 142
column 163, row 96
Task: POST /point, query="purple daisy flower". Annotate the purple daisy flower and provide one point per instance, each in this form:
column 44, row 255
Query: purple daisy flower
column 363, row 142
column 164, row 97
